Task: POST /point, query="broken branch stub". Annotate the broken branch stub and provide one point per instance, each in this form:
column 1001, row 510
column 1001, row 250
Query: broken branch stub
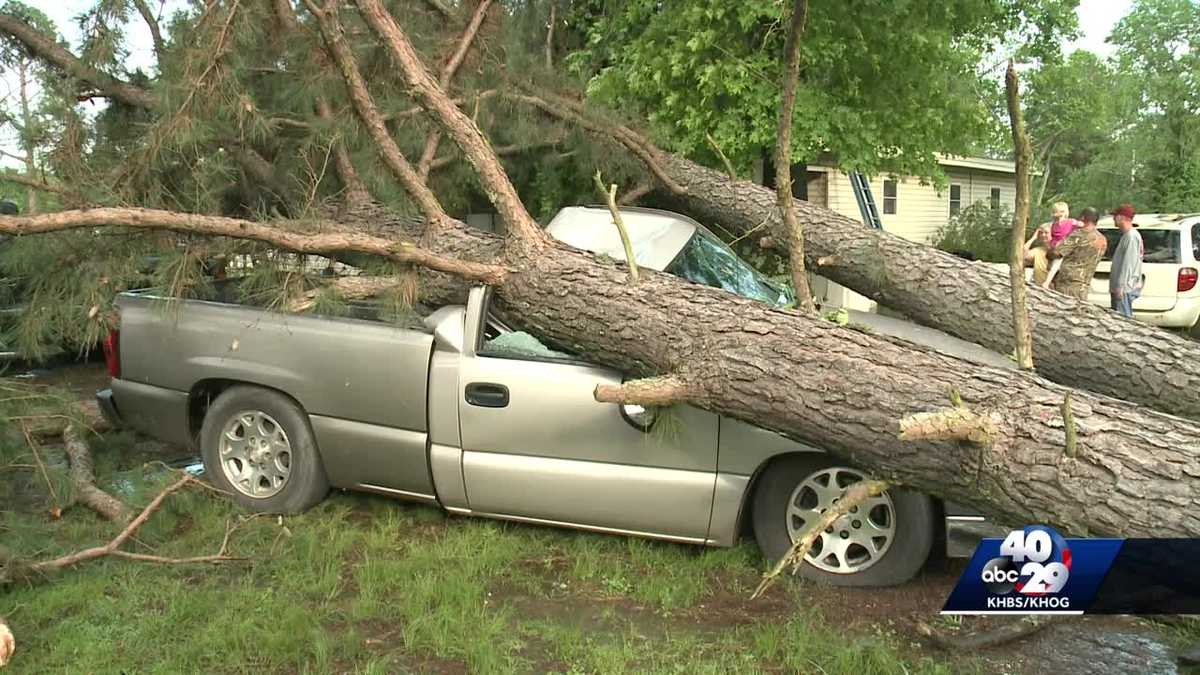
column 952, row 424
column 610, row 198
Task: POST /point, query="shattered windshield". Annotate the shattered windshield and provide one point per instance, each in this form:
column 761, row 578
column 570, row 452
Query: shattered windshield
column 707, row 260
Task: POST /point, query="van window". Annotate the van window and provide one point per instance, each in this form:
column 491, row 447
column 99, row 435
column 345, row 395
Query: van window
column 1162, row 246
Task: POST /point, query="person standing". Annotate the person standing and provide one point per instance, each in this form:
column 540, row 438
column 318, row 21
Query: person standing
column 1077, row 257
column 1125, row 277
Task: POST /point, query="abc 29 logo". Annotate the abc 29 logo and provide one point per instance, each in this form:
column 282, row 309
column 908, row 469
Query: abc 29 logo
column 1033, row 561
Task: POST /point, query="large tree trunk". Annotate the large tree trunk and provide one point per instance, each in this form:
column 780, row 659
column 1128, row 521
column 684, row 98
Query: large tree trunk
column 1082, row 345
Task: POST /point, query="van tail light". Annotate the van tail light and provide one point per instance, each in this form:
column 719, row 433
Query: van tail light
column 1187, row 279
column 112, row 353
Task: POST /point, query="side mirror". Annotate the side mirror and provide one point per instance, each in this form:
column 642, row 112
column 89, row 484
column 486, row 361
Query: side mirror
column 640, row 417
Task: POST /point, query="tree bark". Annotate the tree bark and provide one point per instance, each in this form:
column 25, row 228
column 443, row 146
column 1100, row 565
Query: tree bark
column 783, row 158
column 1023, row 339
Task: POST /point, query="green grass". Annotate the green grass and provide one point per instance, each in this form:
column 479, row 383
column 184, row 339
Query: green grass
column 368, row 585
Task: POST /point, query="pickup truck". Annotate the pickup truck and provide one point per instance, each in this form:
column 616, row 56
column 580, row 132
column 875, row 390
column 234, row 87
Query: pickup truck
column 459, row 411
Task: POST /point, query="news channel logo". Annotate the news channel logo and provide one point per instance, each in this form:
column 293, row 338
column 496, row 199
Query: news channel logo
column 1034, row 561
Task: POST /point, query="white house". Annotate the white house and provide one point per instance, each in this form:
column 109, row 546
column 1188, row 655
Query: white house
column 908, row 206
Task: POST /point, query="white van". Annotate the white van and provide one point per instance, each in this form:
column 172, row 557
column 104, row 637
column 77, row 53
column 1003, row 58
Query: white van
column 1170, row 269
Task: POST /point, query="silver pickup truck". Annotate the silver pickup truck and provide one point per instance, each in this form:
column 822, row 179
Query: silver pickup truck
column 459, row 411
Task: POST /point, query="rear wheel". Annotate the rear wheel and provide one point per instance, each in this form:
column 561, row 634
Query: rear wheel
column 882, row 542
column 257, row 445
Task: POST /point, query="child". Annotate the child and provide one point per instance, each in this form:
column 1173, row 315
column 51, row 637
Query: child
column 1044, row 239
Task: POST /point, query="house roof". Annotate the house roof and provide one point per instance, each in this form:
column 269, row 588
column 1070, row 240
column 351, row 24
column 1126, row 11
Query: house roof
column 981, row 163
column 977, row 163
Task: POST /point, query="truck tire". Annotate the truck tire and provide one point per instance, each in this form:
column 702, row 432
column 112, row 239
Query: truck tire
column 257, row 446
column 887, row 540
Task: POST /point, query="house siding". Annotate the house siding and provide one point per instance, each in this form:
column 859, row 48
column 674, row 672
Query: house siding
column 921, row 209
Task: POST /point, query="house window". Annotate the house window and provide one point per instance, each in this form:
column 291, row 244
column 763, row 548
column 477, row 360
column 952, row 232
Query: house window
column 995, row 199
column 889, row 196
column 955, row 199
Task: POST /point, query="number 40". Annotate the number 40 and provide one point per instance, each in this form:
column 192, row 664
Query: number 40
column 1036, row 546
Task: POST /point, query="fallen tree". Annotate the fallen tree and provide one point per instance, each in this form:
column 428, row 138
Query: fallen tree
column 1080, row 344
column 1133, row 472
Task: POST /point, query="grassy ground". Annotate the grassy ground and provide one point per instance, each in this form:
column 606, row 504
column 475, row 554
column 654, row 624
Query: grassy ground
column 369, row 585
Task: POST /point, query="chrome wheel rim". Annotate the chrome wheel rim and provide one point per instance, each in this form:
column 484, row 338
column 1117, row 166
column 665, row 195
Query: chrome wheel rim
column 256, row 455
column 854, row 542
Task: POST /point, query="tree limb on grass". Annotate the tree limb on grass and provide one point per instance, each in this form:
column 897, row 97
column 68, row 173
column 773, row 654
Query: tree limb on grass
column 84, row 477
column 112, row 548
column 852, row 496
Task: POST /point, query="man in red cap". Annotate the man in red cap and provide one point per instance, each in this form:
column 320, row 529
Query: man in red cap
column 1125, row 276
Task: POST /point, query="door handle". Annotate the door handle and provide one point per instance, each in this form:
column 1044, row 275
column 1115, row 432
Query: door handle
column 487, row 395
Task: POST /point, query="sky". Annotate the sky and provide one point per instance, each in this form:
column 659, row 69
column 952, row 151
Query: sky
column 1096, row 19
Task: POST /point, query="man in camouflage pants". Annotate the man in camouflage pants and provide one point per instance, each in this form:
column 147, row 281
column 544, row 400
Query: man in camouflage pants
column 1081, row 251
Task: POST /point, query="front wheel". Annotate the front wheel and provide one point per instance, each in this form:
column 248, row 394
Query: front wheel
column 882, row 542
column 257, row 445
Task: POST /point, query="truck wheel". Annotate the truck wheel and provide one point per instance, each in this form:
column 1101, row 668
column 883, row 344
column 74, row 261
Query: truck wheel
column 257, row 445
column 883, row 542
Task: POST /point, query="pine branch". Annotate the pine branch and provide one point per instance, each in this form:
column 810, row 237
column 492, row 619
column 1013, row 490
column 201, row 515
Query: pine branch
column 368, row 111
column 444, row 79
column 333, row 239
column 48, row 50
column 523, row 230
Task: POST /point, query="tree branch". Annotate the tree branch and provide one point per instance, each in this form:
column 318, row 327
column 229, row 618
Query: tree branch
column 84, row 477
column 448, row 71
column 322, row 243
column 651, row 391
column 610, row 198
column 368, row 112
column 38, row 185
column 852, row 496
column 1016, row 258
column 152, row 23
column 50, row 51
column 356, row 190
column 504, row 151
column 347, row 288
column 522, row 228
column 563, row 109
column 783, row 157
column 113, row 546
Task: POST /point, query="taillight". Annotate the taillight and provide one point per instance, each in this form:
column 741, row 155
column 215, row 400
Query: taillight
column 1187, row 279
column 112, row 353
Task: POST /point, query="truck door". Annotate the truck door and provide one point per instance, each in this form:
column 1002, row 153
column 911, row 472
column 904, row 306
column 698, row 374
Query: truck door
column 538, row 446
